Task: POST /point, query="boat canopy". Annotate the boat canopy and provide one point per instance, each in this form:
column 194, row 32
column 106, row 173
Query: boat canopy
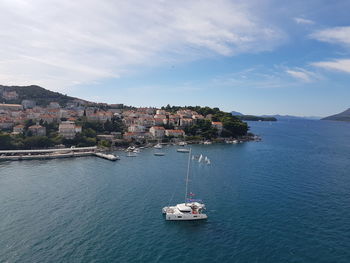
column 184, row 208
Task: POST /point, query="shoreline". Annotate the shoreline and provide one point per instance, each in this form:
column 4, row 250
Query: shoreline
column 57, row 153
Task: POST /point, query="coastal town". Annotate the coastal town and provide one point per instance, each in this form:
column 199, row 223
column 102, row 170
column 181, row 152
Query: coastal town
column 80, row 123
column 29, row 122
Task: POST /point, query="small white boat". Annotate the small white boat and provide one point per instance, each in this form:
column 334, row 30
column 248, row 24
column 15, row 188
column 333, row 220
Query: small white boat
column 158, row 146
column 136, row 150
column 182, row 143
column 130, row 154
column 110, row 157
column 183, row 150
column 207, row 142
column 231, row 141
column 159, row 154
column 130, row 148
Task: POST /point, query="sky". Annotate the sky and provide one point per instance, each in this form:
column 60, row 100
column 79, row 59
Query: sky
column 253, row 56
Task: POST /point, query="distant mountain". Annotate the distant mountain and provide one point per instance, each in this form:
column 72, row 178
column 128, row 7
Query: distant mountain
column 42, row 97
column 236, row 113
column 343, row 116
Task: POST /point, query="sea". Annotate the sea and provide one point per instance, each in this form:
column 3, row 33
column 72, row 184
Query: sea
column 284, row 199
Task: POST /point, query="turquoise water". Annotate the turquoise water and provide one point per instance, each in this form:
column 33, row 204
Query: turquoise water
column 285, row 199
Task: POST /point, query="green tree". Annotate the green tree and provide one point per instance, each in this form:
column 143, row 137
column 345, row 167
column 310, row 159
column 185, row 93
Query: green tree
column 5, row 142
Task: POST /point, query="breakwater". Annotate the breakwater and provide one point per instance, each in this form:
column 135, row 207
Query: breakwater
column 18, row 155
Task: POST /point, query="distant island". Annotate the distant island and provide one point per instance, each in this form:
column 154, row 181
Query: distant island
column 291, row 117
column 244, row 117
column 32, row 117
column 343, row 116
column 275, row 117
column 255, row 118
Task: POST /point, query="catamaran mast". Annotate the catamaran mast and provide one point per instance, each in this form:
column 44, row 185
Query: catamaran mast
column 188, row 173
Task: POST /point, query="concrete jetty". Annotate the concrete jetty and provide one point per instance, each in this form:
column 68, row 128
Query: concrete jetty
column 18, row 155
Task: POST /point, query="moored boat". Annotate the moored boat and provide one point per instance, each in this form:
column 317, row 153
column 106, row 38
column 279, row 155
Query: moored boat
column 131, row 154
column 183, row 150
column 192, row 209
column 158, row 146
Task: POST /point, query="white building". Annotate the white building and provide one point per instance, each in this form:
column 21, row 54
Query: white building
column 28, row 104
column 157, row 131
column 160, row 112
column 217, row 125
column 37, row 130
column 136, row 128
column 175, row 133
column 68, row 129
column 54, row 105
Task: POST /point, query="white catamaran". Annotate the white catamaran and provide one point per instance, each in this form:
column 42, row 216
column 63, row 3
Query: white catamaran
column 192, row 209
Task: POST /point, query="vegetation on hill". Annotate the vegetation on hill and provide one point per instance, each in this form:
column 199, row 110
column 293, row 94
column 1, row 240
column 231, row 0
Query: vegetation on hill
column 41, row 96
column 232, row 126
column 343, row 116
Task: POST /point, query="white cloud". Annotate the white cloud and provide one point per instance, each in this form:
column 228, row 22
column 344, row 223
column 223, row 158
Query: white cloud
column 301, row 74
column 342, row 65
column 300, row 20
column 337, row 35
column 61, row 43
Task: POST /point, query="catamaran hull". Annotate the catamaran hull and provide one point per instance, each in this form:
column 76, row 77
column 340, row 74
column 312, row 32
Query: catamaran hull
column 172, row 214
column 172, row 217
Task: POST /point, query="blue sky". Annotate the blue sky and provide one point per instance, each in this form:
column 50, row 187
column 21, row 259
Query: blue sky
column 257, row 57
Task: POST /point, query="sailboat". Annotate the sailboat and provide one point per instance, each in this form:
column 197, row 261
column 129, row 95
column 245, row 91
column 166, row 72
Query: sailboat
column 207, row 160
column 191, row 209
column 200, row 158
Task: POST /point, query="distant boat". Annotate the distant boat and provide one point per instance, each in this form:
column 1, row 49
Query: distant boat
column 182, row 143
column 158, row 146
column 206, row 160
column 130, row 154
column 136, row 150
column 207, row 142
column 159, row 154
column 200, row 158
column 231, row 141
column 130, row 148
column 192, row 209
column 183, row 150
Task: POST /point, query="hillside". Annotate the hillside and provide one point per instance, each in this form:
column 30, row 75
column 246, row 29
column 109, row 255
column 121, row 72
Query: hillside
column 236, row 113
column 343, row 116
column 42, row 97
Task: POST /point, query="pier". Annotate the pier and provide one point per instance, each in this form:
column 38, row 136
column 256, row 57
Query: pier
column 18, row 155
